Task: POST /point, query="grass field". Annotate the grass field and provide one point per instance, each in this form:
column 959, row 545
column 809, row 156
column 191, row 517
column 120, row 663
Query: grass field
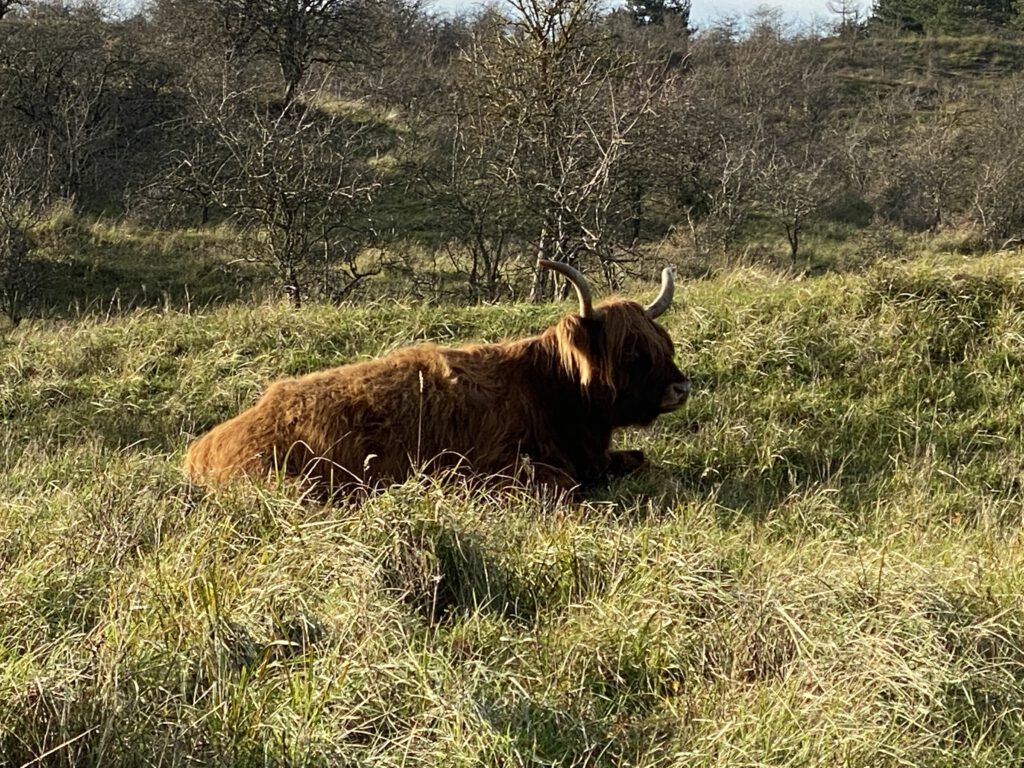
column 823, row 566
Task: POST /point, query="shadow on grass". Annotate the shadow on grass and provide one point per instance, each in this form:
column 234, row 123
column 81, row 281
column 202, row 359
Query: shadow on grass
column 442, row 573
column 988, row 699
column 547, row 735
column 740, row 491
column 610, row 728
column 941, row 435
column 77, row 288
column 86, row 269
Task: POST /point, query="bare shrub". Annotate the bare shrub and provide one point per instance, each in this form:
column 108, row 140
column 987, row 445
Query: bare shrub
column 22, row 197
column 997, row 205
column 296, row 177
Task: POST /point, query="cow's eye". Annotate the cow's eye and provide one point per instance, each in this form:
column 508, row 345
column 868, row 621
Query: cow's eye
column 641, row 360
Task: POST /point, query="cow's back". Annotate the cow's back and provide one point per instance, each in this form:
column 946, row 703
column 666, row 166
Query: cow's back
column 421, row 407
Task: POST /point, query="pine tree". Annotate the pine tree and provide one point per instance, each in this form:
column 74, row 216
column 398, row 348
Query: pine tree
column 946, row 16
column 657, row 12
column 903, row 15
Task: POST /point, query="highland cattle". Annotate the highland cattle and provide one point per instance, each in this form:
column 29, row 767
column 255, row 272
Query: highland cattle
column 548, row 403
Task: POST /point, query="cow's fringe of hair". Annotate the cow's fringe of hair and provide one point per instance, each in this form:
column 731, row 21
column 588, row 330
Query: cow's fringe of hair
column 574, row 350
column 596, row 368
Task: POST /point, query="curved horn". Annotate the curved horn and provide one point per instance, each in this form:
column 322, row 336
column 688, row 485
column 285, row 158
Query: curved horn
column 664, row 300
column 575, row 277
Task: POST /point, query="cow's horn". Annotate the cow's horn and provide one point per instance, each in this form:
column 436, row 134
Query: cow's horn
column 575, row 277
column 664, row 300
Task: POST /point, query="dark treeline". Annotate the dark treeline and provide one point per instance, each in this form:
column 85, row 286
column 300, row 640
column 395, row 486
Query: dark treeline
column 348, row 138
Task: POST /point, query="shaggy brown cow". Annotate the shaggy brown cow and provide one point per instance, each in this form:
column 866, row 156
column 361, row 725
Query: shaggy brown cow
column 555, row 398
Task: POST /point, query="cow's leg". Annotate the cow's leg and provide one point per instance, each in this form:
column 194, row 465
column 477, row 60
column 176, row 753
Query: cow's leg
column 557, row 479
column 625, row 462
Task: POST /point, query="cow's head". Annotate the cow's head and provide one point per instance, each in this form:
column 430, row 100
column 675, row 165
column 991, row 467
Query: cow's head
column 621, row 357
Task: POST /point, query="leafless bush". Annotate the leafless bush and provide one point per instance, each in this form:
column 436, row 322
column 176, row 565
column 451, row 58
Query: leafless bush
column 22, row 195
column 296, row 176
column 997, row 204
column 541, row 114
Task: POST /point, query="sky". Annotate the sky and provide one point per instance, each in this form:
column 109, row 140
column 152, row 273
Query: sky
column 704, row 11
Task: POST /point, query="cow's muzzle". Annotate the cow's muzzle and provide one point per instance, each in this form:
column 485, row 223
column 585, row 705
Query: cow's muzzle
column 675, row 395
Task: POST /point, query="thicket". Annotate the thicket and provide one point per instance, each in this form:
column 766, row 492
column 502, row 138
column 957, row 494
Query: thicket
column 349, row 140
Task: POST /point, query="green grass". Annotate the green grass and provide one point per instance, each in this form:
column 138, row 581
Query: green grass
column 824, row 566
column 103, row 267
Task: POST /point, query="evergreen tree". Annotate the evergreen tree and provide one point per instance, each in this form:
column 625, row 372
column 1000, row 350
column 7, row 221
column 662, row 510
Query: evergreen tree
column 657, row 12
column 945, row 16
column 903, row 15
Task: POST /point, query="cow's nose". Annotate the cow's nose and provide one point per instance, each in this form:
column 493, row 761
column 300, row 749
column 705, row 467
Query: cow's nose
column 675, row 395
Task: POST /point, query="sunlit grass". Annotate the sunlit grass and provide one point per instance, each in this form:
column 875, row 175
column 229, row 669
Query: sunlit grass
column 823, row 566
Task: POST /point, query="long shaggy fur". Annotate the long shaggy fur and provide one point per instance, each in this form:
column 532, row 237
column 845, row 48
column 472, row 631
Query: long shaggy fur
column 554, row 398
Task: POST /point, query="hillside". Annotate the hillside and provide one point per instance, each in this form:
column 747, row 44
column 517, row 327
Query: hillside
column 823, row 567
column 964, row 58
